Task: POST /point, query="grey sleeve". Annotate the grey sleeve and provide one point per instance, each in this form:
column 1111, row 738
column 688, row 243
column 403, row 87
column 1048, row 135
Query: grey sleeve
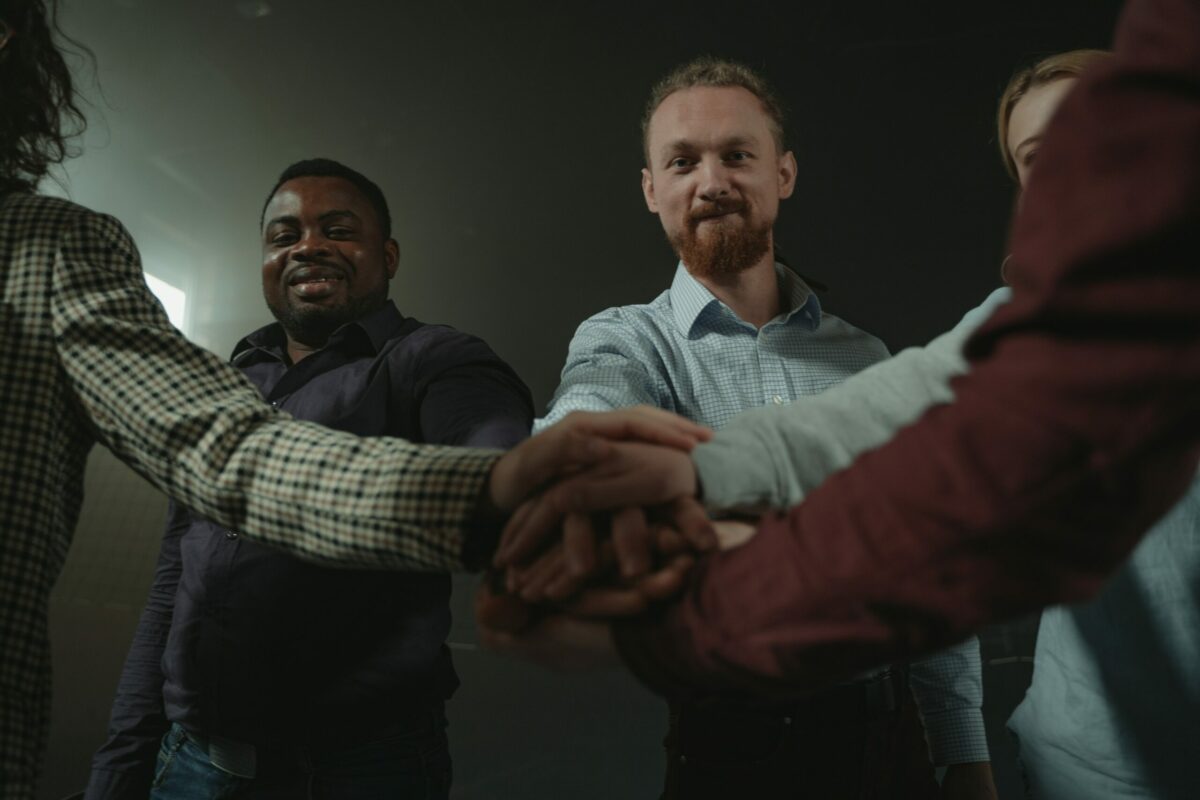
column 773, row 457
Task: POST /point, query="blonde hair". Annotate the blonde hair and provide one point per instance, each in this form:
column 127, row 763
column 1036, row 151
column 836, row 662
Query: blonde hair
column 1061, row 65
column 719, row 73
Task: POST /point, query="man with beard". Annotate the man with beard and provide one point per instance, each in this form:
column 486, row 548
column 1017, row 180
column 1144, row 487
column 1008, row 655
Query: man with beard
column 736, row 331
column 259, row 672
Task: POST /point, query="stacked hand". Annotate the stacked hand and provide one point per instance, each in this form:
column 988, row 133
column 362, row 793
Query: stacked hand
column 604, row 521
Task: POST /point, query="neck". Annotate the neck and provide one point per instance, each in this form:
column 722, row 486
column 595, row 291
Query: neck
column 297, row 351
column 752, row 294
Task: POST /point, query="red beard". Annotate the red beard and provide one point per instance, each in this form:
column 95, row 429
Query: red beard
column 722, row 248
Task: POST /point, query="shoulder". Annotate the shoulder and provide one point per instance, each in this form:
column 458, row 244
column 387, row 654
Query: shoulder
column 54, row 222
column 845, row 334
column 436, row 344
column 43, row 230
column 640, row 326
column 42, row 213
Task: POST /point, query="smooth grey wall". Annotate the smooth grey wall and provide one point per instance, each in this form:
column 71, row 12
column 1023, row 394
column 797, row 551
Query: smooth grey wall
column 506, row 138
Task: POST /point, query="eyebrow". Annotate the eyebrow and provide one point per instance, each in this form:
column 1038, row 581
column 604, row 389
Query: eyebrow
column 292, row 219
column 1037, row 137
column 686, row 145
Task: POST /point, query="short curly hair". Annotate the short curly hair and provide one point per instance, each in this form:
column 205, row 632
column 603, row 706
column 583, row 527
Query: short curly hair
column 41, row 108
column 720, row 73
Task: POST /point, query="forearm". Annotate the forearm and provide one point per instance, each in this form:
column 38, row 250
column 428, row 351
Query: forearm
column 773, row 457
column 195, row 428
column 607, row 367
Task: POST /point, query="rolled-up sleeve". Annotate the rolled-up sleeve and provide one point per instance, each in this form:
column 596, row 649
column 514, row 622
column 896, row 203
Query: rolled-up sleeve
column 607, row 368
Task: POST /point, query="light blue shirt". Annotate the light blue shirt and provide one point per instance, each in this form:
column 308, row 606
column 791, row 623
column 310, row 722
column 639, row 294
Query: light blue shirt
column 688, row 352
column 1114, row 708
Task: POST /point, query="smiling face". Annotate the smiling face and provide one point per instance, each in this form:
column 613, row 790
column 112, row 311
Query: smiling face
column 325, row 260
column 1028, row 122
column 715, row 178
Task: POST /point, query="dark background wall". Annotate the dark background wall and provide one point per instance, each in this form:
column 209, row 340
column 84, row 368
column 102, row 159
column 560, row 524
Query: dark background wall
column 506, row 137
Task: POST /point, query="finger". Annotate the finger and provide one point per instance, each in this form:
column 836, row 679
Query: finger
column 691, row 519
column 606, row 602
column 669, row 541
column 563, row 587
column 606, row 490
column 522, row 537
column 515, row 523
column 541, row 574
column 631, row 538
column 668, row 581
column 501, row 612
column 643, row 423
column 579, row 545
column 529, row 466
column 512, row 578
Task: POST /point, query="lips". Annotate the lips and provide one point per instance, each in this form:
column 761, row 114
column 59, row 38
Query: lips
column 314, row 282
column 716, row 211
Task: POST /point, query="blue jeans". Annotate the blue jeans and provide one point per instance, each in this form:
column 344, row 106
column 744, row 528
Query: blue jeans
column 406, row 766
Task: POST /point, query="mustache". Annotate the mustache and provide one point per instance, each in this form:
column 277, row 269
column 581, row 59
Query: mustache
column 716, row 209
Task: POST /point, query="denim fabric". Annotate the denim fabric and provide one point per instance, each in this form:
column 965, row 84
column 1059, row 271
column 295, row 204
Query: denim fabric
column 403, row 766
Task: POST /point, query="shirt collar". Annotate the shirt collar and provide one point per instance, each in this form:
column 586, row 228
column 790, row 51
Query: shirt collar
column 690, row 299
column 372, row 331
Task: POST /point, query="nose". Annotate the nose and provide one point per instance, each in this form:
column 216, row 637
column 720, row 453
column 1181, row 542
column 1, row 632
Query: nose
column 714, row 180
column 310, row 246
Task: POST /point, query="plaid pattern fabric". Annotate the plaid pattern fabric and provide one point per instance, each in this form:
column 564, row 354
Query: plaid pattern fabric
column 88, row 355
column 689, row 353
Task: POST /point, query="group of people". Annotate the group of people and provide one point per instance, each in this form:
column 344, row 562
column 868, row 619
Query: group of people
column 868, row 510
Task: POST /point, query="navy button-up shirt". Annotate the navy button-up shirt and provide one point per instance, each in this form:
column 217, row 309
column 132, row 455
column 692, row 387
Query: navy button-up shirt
column 242, row 641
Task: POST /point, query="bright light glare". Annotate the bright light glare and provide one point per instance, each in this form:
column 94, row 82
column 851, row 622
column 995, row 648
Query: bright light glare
column 174, row 300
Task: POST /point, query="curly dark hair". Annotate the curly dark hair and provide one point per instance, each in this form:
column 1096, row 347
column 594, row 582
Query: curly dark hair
column 40, row 112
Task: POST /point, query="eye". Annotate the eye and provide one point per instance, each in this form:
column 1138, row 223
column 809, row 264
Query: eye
column 1030, row 155
column 283, row 238
column 339, row 232
column 680, row 162
column 738, row 155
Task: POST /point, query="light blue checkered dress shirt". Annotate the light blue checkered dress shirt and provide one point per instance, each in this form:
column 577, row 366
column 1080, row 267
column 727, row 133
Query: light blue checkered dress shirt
column 688, row 352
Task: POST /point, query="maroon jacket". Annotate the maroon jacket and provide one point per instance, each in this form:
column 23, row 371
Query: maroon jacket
column 1076, row 428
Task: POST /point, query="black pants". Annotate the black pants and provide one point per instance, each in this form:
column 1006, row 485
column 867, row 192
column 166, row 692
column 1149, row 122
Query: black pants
column 861, row 741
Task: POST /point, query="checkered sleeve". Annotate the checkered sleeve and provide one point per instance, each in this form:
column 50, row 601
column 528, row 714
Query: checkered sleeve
column 948, row 688
column 194, row 427
column 606, row 369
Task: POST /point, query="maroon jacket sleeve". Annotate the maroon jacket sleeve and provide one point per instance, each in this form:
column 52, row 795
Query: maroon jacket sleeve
column 1076, row 428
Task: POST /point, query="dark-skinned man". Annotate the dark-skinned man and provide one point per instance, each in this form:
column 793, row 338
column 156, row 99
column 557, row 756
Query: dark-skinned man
column 258, row 672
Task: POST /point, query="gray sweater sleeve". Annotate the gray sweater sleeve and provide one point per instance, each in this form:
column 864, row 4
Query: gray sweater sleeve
column 772, row 457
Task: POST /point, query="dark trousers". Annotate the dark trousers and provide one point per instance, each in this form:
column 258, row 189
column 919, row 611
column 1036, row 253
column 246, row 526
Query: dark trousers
column 861, row 741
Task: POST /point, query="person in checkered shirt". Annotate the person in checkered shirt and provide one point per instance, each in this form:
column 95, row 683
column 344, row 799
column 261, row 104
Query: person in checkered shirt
column 89, row 356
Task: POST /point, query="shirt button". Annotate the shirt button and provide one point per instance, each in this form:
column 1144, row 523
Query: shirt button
column 777, row 400
column 231, row 534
